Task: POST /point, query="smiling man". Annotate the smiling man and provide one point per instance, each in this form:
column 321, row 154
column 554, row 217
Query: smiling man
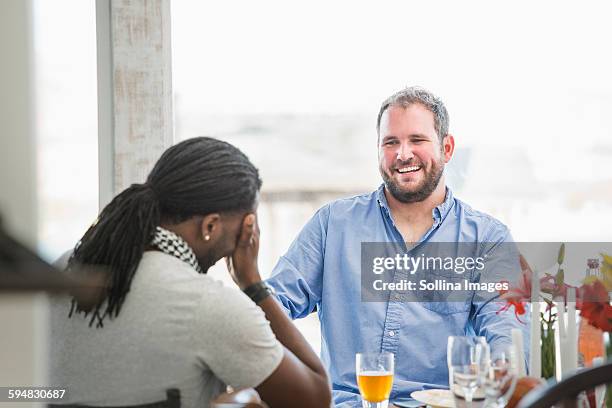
column 412, row 209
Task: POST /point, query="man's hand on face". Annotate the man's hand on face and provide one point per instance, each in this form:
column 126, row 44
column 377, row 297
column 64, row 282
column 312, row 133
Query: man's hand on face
column 243, row 263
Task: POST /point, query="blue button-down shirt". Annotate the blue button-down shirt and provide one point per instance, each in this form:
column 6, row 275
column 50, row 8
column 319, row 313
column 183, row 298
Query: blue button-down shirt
column 321, row 271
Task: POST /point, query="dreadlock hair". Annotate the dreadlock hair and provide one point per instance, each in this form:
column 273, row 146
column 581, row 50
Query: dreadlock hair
column 198, row 176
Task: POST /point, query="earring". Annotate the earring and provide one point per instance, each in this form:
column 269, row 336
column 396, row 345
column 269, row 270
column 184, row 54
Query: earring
column 207, row 237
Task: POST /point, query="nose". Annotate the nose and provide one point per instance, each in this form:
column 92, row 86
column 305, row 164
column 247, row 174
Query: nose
column 404, row 153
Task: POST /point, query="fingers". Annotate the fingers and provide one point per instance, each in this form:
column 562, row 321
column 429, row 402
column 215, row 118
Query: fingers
column 256, row 229
column 248, row 230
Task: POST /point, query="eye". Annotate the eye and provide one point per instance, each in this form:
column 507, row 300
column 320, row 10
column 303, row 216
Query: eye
column 419, row 140
column 390, row 142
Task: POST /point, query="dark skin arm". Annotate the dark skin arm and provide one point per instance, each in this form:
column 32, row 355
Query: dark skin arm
column 300, row 381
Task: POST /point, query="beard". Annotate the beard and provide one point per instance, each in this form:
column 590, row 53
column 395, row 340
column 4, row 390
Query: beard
column 421, row 191
column 208, row 259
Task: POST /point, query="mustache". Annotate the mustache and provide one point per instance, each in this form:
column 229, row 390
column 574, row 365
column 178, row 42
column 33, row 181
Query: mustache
column 400, row 164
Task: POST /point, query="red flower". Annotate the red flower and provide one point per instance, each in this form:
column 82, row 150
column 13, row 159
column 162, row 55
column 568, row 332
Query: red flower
column 519, row 307
column 548, row 284
column 517, row 296
column 594, row 305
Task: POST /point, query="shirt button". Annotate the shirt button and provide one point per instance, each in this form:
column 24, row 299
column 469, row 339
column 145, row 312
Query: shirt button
column 391, row 333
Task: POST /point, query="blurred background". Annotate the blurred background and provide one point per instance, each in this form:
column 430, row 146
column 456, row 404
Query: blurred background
column 297, row 86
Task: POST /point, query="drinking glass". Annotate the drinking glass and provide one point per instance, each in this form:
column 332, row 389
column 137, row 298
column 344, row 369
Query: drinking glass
column 468, row 360
column 375, row 378
column 501, row 379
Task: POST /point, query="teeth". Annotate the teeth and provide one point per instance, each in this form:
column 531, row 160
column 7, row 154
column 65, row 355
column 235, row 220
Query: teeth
column 408, row 169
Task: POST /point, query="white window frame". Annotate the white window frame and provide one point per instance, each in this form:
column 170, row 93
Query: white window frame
column 135, row 117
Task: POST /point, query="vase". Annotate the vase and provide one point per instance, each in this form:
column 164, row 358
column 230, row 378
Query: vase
column 548, row 351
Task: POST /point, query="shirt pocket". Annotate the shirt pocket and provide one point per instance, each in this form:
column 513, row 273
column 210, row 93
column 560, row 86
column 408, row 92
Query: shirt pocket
column 451, row 298
column 447, row 307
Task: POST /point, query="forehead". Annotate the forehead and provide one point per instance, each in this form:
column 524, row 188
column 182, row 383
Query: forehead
column 413, row 119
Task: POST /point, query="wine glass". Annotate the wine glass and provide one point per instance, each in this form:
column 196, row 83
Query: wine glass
column 468, row 360
column 501, row 379
column 375, row 378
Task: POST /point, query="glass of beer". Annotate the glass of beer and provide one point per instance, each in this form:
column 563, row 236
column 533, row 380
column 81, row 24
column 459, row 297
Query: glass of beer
column 375, row 378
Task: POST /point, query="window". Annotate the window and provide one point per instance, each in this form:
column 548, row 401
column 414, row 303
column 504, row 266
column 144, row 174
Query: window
column 298, row 87
column 67, row 143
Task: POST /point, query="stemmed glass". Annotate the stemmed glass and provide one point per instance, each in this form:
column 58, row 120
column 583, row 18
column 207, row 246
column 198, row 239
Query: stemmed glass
column 375, row 378
column 501, row 379
column 468, row 361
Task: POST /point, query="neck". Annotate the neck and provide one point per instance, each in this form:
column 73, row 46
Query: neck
column 185, row 230
column 414, row 212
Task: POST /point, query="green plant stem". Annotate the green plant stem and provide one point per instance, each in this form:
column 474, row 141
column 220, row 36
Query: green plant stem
column 548, row 342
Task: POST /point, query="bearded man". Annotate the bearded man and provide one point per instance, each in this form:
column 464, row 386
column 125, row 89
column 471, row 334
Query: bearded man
column 413, row 208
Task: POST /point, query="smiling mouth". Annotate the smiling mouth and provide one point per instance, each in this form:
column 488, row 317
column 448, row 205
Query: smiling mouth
column 408, row 169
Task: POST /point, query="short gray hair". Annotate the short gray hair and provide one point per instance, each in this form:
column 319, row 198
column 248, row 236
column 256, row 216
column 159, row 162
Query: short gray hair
column 416, row 94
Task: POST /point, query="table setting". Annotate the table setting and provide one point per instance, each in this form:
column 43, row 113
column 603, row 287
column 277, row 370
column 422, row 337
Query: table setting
column 477, row 379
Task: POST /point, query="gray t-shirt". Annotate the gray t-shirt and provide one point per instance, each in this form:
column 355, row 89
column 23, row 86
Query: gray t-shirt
column 176, row 329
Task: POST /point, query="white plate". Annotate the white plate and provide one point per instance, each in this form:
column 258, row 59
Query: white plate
column 478, row 394
column 435, row 398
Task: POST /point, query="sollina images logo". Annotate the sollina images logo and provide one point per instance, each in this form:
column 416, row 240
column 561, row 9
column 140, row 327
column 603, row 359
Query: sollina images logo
column 436, row 272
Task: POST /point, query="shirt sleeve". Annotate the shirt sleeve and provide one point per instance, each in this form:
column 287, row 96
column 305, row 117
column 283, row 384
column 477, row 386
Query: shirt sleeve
column 502, row 264
column 298, row 276
column 234, row 339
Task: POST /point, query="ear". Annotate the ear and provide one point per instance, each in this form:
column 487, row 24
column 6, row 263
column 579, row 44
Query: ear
column 448, row 147
column 210, row 227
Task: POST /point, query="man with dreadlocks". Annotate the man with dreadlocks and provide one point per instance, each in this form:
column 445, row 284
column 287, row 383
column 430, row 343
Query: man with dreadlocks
column 162, row 323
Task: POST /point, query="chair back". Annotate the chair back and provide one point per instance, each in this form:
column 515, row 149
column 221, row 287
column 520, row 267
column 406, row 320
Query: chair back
column 565, row 393
column 173, row 400
column 245, row 398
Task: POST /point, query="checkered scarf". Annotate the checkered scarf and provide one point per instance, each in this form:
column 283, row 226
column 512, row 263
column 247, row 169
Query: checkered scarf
column 170, row 243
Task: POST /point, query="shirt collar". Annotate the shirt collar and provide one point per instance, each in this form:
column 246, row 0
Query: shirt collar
column 438, row 213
